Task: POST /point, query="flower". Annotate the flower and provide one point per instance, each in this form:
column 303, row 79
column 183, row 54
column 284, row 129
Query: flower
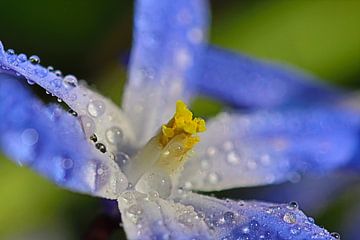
column 146, row 162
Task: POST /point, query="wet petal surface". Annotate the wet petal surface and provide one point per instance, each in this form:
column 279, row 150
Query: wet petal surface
column 51, row 141
column 269, row 147
column 167, row 46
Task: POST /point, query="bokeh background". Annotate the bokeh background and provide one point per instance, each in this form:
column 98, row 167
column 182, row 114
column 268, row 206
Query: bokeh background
column 92, row 40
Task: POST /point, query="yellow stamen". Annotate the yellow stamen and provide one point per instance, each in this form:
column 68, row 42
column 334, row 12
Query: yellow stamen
column 178, row 137
column 182, row 123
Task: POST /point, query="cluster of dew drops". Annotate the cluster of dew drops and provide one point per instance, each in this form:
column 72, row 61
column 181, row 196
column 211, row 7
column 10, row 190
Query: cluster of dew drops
column 69, row 81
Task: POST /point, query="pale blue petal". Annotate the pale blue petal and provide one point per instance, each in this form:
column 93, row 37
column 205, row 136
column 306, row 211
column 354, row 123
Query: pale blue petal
column 252, row 220
column 50, row 140
column 168, row 43
column 147, row 217
column 97, row 114
column 242, row 81
column 266, row 147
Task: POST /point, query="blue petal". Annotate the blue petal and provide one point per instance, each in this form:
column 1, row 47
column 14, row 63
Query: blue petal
column 245, row 82
column 98, row 115
column 268, row 147
column 253, row 220
column 49, row 140
column 148, row 217
column 168, row 42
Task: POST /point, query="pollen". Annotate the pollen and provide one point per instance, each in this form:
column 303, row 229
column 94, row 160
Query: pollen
column 183, row 123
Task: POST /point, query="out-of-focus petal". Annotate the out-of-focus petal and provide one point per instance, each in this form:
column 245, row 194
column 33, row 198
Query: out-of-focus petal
column 168, row 42
column 271, row 146
column 150, row 217
column 98, row 115
column 245, row 82
column 51, row 141
column 253, row 220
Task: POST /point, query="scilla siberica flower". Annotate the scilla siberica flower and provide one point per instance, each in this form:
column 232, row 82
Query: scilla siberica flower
column 149, row 158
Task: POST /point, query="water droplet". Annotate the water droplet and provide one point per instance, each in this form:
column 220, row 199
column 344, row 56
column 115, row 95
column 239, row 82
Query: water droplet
column 70, row 81
column 58, row 73
column 293, row 205
column 134, row 213
column 50, row 68
column 34, row 59
column 153, row 195
column 67, row 163
column 156, row 181
column 41, row 72
column 213, row 178
column 122, row 159
column 59, row 100
column 88, row 125
column 29, row 137
column 10, row 52
column 72, row 112
column 289, row 218
column 96, row 108
column 211, row 151
column 233, row 158
column 114, row 135
column 21, row 58
column 335, row 235
column 30, row 82
column 101, row 147
column 93, row 137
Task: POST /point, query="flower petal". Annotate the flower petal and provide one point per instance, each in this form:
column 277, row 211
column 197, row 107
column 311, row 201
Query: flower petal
column 246, row 82
column 51, row 141
column 253, row 220
column 167, row 43
column 271, row 146
column 98, row 115
column 150, row 217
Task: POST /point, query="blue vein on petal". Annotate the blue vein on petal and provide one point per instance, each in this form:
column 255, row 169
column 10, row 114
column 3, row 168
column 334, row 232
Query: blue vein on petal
column 47, row 139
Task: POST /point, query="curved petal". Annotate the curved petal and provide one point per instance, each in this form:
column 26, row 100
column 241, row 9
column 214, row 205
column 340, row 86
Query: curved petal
column 167, row 43
column 51, row 141
column 253, row 220
column 98, row 115
column 150, row 217
column 270, row 147
column 245, row 82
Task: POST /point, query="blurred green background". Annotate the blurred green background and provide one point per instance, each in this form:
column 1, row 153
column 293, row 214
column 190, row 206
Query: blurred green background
column 90, row 39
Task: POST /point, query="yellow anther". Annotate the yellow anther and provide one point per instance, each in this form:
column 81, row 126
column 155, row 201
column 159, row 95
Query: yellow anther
column 182, row 123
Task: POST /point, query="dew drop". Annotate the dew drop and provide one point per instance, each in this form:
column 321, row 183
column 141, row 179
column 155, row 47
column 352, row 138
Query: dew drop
column 29, row 137
column 30, row 82
column 34, row 59
column 213, row 178
column 58, row 73
column 293, row 205
column 114, row 135
column 72, row 112
column 233, row 158
column 289, row 218
column 50, row 68
column 96, row 108
column 101, row 147
column 21, row 58
column 335, row 235
column 93, row 137
column 70, row 81
column 59, row 100
column 88, row 125
column 10, row 52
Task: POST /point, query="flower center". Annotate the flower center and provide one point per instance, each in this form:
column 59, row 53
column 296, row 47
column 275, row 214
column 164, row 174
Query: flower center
column 156, row 166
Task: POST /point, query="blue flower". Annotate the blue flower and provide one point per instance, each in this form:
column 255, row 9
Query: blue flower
column 283, row 124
